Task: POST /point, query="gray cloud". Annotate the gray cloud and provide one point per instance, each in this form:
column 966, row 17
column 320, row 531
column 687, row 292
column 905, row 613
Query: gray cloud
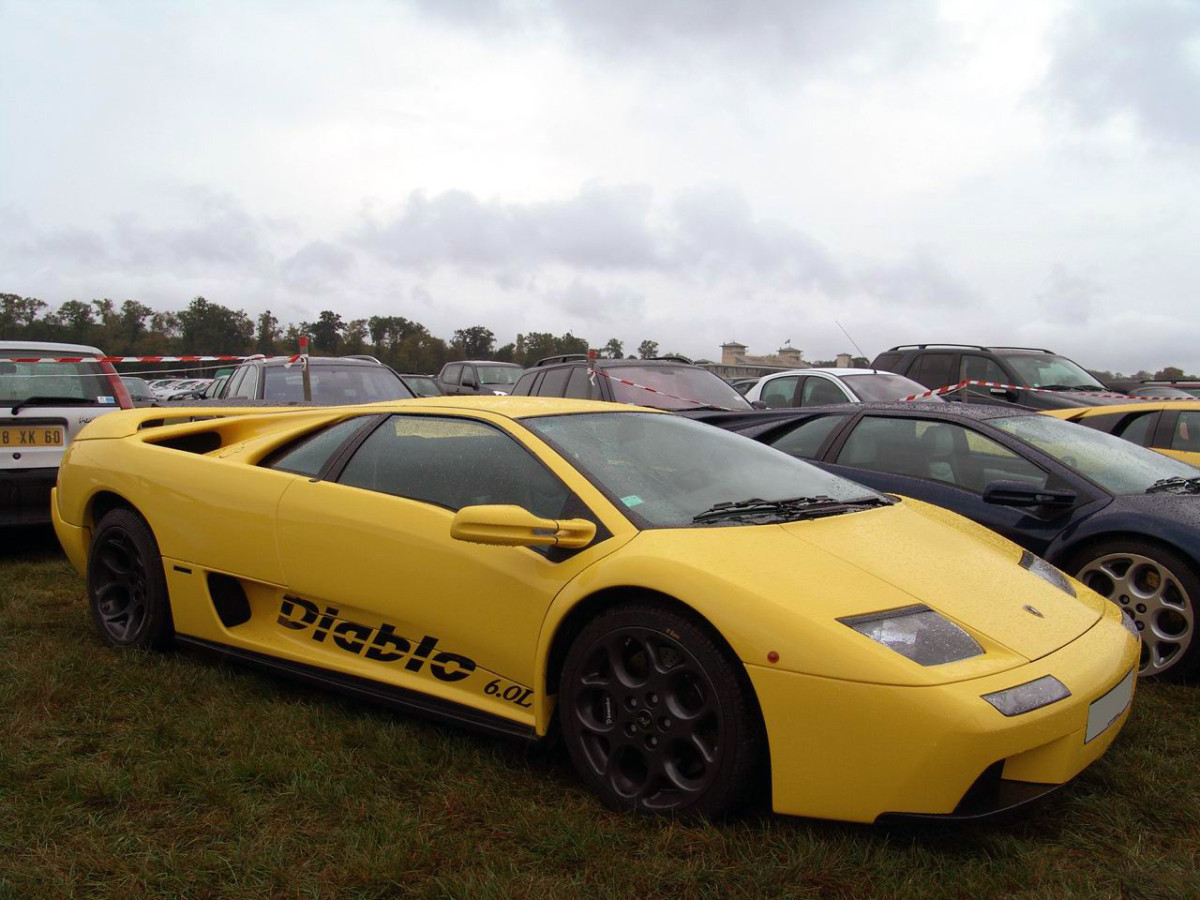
column 1068, row 298
column 918, row 282
column 616, row 304
column 218, row 233
column 1113, row 57
column 315, row 265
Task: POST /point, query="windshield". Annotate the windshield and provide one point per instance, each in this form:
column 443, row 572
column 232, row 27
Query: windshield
column 138, row 389
column 1044, row 369
column 1114, row 463
column 74, row 381
column 335, row 384
column 681, row 387
column 668, row 470
column 883, row 386
column 499, row 374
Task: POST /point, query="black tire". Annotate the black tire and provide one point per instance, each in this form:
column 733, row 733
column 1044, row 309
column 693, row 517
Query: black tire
column 127, row 590
column 659, row 717
column 1159, row 588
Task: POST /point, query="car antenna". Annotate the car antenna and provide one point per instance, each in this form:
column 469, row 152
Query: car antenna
column 852, row 341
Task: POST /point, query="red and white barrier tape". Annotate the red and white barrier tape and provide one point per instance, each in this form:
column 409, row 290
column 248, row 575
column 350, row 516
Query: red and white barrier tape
column 951, row 388
column 139, row 359
column 644, row 387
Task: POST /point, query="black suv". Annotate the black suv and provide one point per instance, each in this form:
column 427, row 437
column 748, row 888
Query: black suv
column 333, row 381
column 664, row 383
column 1063, row 383
column 478, row 376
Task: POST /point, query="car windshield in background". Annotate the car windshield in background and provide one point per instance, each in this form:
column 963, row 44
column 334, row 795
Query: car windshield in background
column 20, row 382
column 137, row 387
column 668, row 470
column 1162, row 393
column 422, row 386
column 884, row 387
column 1048, row 370
column 1118, row 466
column 682, row 387
column 335, row 384
column 499, row 374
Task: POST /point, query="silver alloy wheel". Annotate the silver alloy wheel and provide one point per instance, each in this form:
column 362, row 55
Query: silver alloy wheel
column 1155, row 598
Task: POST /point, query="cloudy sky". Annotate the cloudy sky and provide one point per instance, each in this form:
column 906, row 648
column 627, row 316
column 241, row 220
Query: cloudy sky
column 689, row 171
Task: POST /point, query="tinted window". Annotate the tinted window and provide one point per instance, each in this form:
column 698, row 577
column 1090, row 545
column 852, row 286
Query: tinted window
column 889, row 362
column 805, row 439
column 934, row 370
column 779, row 393
column 554, row 383
column 422, row 385
column 498, row 374
column 309, row 455
column 453, row 463
column 939, row 451
column 249, row 386
column 885, row 386
column 818, row 391
column 138, row 389
column 578, row 387
column 337, row 384
column 451, row 374
column 1137, row 427
column 524, row 383
column 980, row 368
column 1187, row 432
column 680, row 387
column 235, row 381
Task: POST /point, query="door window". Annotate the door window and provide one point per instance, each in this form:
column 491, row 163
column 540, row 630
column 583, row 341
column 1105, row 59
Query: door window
column 980, row 368
column 1187, row 432
column 779, row 393
column 555, row 382
column 1138, row 427
column 805, row 439
column 938, row 451
column 309, row 455
column 934, row 370
column 819, row 391
column 578, row 387
column 452, row 373
column 523, row 384
column 453, row 463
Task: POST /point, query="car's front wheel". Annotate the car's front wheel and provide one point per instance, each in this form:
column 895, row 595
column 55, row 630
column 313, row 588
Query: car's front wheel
column 1159, row 589
column 127, row 590
column 657, row 716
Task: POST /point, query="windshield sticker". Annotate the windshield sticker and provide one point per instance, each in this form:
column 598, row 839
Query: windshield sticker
column 106, row 399
column 632, row 500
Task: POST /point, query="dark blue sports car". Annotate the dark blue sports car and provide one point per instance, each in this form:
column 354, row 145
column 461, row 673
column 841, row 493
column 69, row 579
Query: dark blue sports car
column 1122, row 519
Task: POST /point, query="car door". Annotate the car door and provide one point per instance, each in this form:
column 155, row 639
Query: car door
column 818, row 390
column 950, row 465
column 448, row 380
column 780, row 393
column 368, row 557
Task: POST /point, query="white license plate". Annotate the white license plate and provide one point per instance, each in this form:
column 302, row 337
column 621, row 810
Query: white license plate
column 1108, row 709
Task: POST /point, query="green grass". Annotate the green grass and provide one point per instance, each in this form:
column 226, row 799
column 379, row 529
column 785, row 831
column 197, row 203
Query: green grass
column 132, row 774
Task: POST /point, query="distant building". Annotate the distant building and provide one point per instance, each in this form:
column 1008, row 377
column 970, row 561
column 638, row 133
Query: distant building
column 735, row 363
column 845, row 361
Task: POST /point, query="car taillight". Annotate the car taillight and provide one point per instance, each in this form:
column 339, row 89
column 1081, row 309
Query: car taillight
column 118, row 387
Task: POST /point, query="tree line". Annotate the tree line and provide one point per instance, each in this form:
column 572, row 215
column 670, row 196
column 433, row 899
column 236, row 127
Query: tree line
column 204, row 327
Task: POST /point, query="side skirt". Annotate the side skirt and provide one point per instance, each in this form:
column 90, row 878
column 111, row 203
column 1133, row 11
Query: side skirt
column 373, row 691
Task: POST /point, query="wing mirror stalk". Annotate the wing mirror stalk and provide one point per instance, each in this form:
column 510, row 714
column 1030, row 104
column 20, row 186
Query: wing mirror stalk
column 512, row 526
column 1017, row 493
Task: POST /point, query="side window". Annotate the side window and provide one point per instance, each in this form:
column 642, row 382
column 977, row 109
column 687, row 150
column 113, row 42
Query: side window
column 308, row 455
column 805, row 439
column 578, row 386
column 469, row 377
column 779, row 393
column 451, row 374
column 235, row 381
column 889, row 362
column 980, row 368
column 1139, row 427
column 249, row 385
column 1187, row 432
column 453, row 463
column 934, row 370
column 938, row 451
column 819, row 391
column 521, row 388
column 555, row 382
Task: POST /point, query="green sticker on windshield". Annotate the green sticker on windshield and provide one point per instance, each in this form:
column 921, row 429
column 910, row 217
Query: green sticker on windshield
column 632, row 500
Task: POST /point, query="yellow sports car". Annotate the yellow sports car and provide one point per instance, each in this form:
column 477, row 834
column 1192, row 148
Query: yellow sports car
column 694, row 611
column 1172, row 427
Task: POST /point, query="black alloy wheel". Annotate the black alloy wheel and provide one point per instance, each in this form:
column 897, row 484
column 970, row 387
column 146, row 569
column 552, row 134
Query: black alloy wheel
column 127, row 589
column 657, row 717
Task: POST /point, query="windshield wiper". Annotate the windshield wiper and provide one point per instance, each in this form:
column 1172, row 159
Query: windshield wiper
column 1175, row 483
column 789, row 507
column 49, row 401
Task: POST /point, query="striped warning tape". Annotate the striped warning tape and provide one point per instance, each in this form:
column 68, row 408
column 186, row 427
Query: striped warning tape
column 951, row 388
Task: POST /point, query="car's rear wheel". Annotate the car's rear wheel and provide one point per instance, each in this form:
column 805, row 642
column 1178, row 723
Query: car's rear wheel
column 127, row 589
column 1159, row 589
column 657, row 716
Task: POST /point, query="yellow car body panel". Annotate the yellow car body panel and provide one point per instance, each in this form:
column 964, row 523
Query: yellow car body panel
column 1077, row 415
column 371, row 586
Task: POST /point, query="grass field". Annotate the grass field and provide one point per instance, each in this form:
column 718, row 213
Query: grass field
column 131, row 774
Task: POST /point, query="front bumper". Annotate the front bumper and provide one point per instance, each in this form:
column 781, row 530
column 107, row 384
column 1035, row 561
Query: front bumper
column 857, row 751
column 25, row 496
column 74, row 539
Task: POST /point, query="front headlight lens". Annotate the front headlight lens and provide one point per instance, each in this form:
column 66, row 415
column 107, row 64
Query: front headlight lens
column 918, row 633
column 1046, row 572
column 1029, row 696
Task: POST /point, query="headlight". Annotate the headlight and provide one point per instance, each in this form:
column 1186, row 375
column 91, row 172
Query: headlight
column 1046, row 572
column 1029, row 696
column 918, row 633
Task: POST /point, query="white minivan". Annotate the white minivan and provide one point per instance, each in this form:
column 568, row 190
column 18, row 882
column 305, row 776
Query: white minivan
column 43, row 405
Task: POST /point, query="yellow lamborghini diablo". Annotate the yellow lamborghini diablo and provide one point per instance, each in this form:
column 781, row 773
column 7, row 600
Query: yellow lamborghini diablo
column 693, row 611
column 1172, row 427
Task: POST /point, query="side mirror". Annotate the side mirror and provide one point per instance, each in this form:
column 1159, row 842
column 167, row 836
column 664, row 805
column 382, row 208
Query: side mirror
column 758, row 404
column 1017, row 493
column 512, row 526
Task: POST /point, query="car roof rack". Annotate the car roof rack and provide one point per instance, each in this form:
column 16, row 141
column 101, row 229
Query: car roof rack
column 561, row 358
column 363, row 356
column 969, row 346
